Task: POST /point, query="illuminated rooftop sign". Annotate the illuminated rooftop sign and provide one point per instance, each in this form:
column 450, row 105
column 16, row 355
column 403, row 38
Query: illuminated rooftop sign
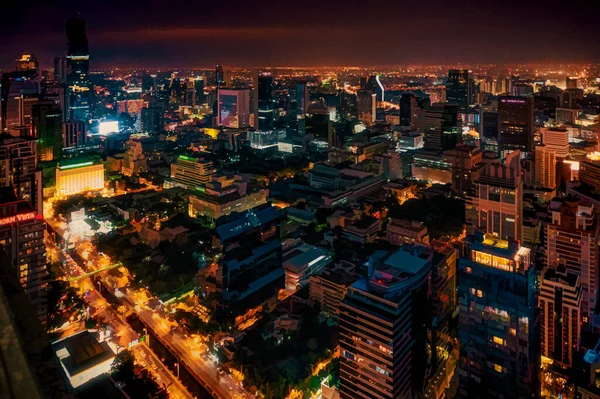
column 17, row 218
column 77, row 165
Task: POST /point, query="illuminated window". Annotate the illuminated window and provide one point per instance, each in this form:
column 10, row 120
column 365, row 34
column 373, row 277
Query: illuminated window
column 499, row 341
column 479, row 294
column 498, row 368
column 513, row 332
column 472, row 291
column 468, row 270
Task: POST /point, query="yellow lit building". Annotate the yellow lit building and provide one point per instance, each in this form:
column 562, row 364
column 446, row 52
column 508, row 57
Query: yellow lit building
column 79, row 178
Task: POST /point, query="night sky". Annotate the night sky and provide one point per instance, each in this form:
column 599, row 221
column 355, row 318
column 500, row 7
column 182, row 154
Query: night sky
column 308, row 33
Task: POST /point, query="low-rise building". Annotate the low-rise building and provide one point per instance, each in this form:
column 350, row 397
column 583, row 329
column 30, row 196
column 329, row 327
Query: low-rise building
column 362, row 230
column 400, row 232
column 329, row 288
column 79, row 178
column 302, row 262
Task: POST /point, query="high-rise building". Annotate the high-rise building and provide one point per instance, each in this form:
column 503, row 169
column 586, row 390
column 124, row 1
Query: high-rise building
column 572, row 83
column 496, row 206
column 192, row 173
column 572, row 246
column 19, row 169
column 488, row 126
column 465, row 161
column 405, row 109
column 219, row 76
column 459, row 89
column 498, row 326
column 22, row 241
column 265, row 101
column 515, row 123
column 19, row 90
column 561, row 314
column 383, row 329
column 234, row 108
column 152, row 119
column 366, row 106
column 47, row 129
column 74, row 134
column 556, row 139
column 76, row 178
column 441, row 126
column 545, row 167
column 77, row 71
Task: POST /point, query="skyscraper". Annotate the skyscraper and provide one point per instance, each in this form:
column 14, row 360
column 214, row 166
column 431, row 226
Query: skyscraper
column 572, row 246
column 234, row 108
column 47, row 129
column 488, row 126
column 77, row 70
column 366, row 105
column 459, row 89
column 545, row 167
column 73, row 134
column 498, row 325
column 440, row 124
column 496, row 206
column 515, row 121
column 265, row 101
column 19, row 169
column 22, row 241
column 383, row 327
column 405, row 109
column 16, row 89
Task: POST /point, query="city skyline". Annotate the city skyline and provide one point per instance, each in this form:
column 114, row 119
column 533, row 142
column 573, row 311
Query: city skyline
column 335, row 34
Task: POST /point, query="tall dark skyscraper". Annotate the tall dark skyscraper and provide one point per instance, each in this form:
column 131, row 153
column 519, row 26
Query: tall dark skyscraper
column 265, row 101
column 459, row 89
column 47, row 129
column 405, row 108
column 498, row 324
column 77, row 70
column 515, row 123
column 441, row 125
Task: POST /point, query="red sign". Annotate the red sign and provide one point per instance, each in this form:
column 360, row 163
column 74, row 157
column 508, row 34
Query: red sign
column 17, row 218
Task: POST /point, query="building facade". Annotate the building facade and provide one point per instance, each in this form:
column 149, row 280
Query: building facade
column 79, row 178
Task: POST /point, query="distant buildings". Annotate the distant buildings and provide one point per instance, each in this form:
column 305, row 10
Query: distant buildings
column 79, row 178
column 498, row 324
column 400, row 232
column 367, row 107
column 265, row 101
column 74, row 134
column 152, row 119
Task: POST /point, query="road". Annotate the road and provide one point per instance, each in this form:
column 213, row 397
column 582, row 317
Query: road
column 221, row 386
column 123, row 333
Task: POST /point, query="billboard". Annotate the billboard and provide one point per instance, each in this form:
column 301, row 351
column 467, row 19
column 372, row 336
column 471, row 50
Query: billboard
column 108, row 127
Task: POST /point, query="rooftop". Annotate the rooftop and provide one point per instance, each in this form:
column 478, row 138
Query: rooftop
column 83, row 351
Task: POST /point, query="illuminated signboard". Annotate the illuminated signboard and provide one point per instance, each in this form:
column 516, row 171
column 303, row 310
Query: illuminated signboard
column 17, row 218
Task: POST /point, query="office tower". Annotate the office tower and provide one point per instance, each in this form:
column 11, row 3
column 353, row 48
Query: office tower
column 545, row 167
column 47, row 129
column 19, row 169
column 441, row 126
column 374, row 84
column 572, row 246
column 561, row 316
column 515, row 123
column 383, row 329
column 176, row 93
column 488, row 126
column 153, row 119
column 406, row 109
column 363, row 82
column 199, row 86
column 496, row 206
column 134, row 161
column 366, row 105
column 572, row 83
column 59, row 69
column 74, row 134
column 459, row 89
column 465, row 161
column 219, row 76
column 391, row 165
column 27, row 62
column 265, row 101
column 443, row 289
column 556, row 139
column 245, row 282
column 77, row 71
column 522, row 90
column 192, row 173
column 498, row 326
column 190, row 93
column 18, row 91
column 234, row 108
column 22, row 241
column 78, row 178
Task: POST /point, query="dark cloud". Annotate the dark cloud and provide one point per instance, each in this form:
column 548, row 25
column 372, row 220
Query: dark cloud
column 181, row 33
